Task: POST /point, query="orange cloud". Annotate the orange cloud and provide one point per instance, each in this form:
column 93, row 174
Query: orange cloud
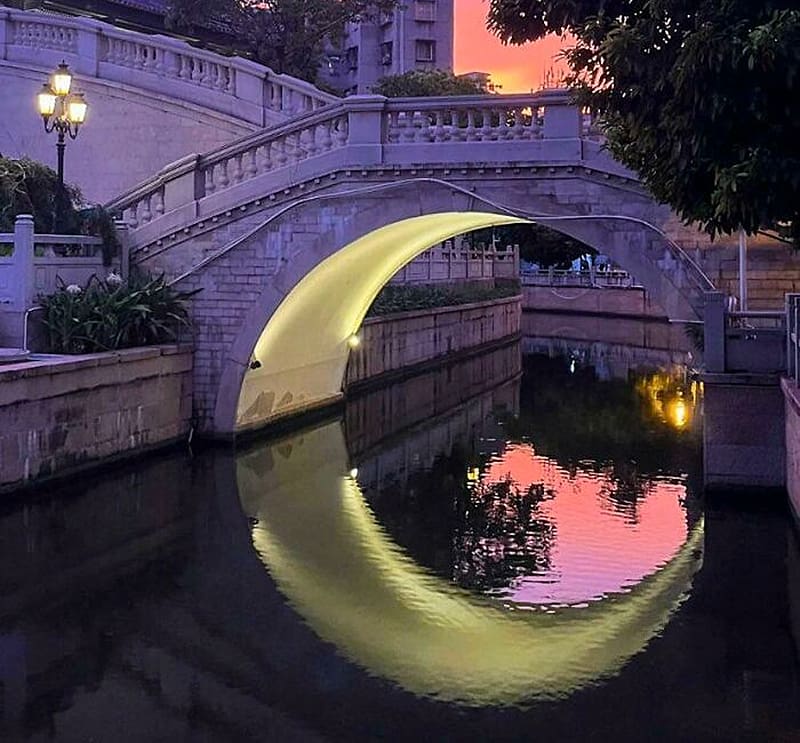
column 517, row 69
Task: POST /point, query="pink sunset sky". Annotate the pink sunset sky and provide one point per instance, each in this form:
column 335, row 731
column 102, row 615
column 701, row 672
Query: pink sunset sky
column 518, row 69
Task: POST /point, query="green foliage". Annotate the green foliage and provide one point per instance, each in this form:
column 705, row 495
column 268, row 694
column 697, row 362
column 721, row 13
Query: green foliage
column 420, row 83
column 29, row 187
column 697, row 97
column 106, row 314
column 287, row 35
column 408, row 297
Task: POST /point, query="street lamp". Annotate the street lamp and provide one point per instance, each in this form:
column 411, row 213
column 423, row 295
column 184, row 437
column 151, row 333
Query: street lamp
column 61, row 110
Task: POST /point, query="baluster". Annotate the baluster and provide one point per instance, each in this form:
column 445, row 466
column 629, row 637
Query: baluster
column 518, row 131
column 146, row 214
column 230, row 81
column 237, row 169
column 195, row 68
column 185, row 72
column 252, row 163
column 158, row 202
column 407, row 129
column 280, row 152
column 486, row 129
column 439, row 132
column 223, row 179
column 471, row 133
column 159, row 65
column 132, row 217
column 425, row 131
column 325, row 140
column 266, row 157
column 208, row 177
column 307, row 145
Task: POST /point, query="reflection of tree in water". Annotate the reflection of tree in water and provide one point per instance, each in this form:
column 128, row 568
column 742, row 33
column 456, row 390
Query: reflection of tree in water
column 625, row 488
column 481, row 535
column 501, row 534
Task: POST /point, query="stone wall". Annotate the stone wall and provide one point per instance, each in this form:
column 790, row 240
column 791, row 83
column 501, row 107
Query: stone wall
column 743, row 431
column 61, row 413
column 772, row 271
column 626, row 302
column 395, row 343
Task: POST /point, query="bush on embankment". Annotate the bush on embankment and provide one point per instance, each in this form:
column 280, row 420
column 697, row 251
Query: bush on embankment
column 409, row 297
column 30, row 187
column 107, row 314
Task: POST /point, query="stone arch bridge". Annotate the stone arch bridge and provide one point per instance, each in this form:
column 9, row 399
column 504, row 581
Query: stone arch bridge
column 292, row 231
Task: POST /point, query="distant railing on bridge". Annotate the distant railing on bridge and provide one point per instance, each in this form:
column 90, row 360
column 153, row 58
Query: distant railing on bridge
column 611, row 279
column 163, row 65
column 447, row 262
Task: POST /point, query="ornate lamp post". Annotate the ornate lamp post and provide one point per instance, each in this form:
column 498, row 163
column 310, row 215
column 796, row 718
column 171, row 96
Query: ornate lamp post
column 62, row 111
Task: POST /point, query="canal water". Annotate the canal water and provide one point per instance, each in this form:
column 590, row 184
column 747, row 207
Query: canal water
column 510, row 548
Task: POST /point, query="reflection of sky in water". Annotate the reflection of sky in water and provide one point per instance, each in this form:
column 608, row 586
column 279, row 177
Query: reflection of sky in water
column 598, row 547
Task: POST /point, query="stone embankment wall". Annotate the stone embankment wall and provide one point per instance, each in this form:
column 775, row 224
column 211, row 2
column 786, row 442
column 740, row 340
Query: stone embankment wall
column 791, row 395
column 743, row 431
column 622, row 302
column 62, row 413
column 399, row 342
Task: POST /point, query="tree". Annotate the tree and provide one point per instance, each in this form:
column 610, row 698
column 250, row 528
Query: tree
column 288, row 36
column 697, row 96
column 419, row 83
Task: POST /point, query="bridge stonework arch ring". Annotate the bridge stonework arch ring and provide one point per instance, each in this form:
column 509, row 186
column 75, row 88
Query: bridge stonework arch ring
column 302, row 351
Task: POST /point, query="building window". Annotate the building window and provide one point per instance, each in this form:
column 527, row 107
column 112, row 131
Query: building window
column 351, row 58
column 425, row 10
column 426, row 50
column 386, row 53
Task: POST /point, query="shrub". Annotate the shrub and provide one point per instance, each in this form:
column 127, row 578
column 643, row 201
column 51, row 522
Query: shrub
column 408, row 297
column 109, row 313
column 29, row 187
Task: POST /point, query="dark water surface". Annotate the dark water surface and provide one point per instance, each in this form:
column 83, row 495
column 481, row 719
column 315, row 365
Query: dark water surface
column 503, row 549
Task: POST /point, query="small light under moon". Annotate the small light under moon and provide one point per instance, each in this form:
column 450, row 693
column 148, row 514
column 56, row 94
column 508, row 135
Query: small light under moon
column 354, row 341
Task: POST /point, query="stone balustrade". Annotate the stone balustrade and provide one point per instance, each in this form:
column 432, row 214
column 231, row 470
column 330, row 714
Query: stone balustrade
column 33, row 264
column 163, row 65
column 369, row 130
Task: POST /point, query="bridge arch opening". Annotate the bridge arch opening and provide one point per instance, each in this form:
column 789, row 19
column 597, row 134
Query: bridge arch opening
column 299, row 360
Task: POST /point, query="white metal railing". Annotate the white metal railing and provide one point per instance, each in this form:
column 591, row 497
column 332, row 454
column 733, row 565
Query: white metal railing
column 160, row 64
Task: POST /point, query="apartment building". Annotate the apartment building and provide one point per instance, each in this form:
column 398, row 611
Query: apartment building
column 417, row 35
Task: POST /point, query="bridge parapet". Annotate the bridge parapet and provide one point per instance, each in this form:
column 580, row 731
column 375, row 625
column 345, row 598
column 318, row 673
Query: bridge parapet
column 358, row 132
column 229, row 85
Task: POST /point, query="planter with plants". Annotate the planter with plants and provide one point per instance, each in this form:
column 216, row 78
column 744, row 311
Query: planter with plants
column 109, row 314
